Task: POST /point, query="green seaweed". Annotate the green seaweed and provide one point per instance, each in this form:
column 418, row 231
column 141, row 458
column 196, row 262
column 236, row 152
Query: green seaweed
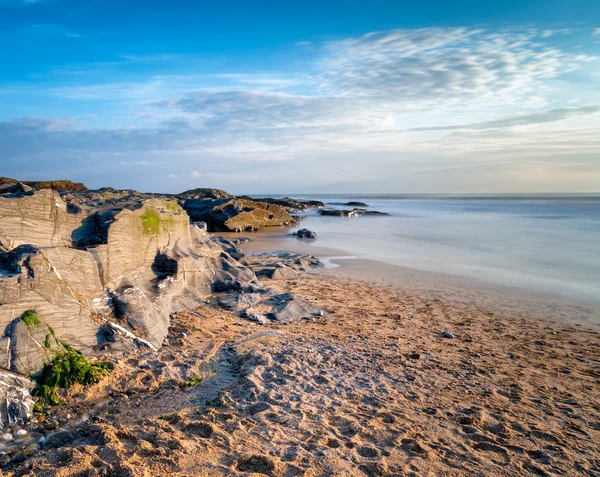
column 151, row 221
column 194, row 381
column 172, row 206
column 65, row 369
column 30, row 319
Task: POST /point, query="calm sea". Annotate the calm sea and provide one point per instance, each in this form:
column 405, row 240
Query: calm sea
column 539, row 242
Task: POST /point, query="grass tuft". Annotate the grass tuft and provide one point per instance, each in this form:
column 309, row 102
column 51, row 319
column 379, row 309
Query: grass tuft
column 65, row 369
column 151, row 221
column 194, row 381
column 30, row 318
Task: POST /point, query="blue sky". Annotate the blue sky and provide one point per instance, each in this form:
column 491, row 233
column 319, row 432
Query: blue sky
column 292, row 97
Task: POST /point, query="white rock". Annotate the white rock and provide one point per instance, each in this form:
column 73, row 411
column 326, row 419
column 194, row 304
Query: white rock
column 7, row 437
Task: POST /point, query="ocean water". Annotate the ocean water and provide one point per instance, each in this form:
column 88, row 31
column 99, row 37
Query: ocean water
column 548, row 243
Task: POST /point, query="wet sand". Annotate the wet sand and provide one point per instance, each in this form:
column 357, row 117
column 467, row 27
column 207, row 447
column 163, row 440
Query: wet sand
column 468, row 292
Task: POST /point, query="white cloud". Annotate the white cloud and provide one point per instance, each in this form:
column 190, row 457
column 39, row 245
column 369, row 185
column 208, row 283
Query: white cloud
column 596, row 31
column 375, row 107
column 446, row 66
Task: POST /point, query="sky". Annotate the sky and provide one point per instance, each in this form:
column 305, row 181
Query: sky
column 303, row 97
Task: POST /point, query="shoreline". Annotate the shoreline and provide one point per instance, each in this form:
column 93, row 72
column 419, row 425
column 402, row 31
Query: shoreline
column 461, row 290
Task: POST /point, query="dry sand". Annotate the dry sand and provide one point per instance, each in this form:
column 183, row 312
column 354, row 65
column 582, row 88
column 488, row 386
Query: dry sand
column 373, row 389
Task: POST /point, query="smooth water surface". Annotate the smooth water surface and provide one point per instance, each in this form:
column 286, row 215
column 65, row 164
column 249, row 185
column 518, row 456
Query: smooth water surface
column 547, row 243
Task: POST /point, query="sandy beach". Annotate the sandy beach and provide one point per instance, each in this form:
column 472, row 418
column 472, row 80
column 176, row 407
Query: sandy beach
column 394, row 381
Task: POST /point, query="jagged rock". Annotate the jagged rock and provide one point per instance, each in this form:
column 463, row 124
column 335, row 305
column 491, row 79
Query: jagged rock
column 236, row 215
column 293, row 261
column 305, row 234
column 278, row 272
column 39, row 219
column 284, row 308
column 291, row 205
column 350, row 213
column 205, row 193
column 63, row 185
column 16, row 403
column 151, row 262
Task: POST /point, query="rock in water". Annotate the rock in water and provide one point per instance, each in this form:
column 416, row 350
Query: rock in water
column 305, row 234
column 350, row 213
column 236, row 215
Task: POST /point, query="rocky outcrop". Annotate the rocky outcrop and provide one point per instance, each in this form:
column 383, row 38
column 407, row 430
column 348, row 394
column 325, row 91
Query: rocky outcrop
column 40, row 219
column 62, row 186
column 131, row 267
column 291, row 205
column 205, row 193
column 282, row 265
column 236, row 215
column 283, row 308
column 349, row 213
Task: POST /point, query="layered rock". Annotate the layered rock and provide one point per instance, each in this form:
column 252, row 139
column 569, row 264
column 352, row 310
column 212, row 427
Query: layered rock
column 133, row 267
column 288, row 203
column 61, row 185
column 236, row 215
column 205, row 193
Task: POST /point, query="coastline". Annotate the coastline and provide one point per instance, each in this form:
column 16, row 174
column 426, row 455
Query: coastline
column 464, row 291
column 387, row 383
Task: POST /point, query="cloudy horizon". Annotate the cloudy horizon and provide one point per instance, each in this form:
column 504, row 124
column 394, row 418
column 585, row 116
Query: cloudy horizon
column 484, row 107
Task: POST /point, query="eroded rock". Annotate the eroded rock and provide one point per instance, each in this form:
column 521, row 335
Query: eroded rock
column 236, row 215
column 16, row 403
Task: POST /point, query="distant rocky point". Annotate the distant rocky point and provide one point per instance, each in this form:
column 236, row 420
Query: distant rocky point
column 6, row 184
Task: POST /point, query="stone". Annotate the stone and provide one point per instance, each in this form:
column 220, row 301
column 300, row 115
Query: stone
column 447, row 334
column 236, row 215
column 291, row 205
column 305, row 234
column 16, row 403
column 62, row 185
column 349, row 213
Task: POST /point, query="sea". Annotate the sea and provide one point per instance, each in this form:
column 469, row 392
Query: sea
column 538, row 242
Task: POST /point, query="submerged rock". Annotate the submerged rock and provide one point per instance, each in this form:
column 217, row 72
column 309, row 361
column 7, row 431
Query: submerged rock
column 350, row 213
column 305, row 234
column 236, row 215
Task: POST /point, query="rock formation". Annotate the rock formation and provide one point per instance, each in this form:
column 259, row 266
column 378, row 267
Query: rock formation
column 102, row 276
column 349, row 213
column 305, row 234
column 80, row 270
column 291, row 205
column 236, row 215
column 63, row 186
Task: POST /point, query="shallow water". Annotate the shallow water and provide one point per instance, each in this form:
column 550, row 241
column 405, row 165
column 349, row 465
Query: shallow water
column 548, row 243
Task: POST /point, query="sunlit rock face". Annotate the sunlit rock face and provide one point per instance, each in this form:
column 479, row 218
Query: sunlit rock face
column 81, row 268
column 236, row 215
